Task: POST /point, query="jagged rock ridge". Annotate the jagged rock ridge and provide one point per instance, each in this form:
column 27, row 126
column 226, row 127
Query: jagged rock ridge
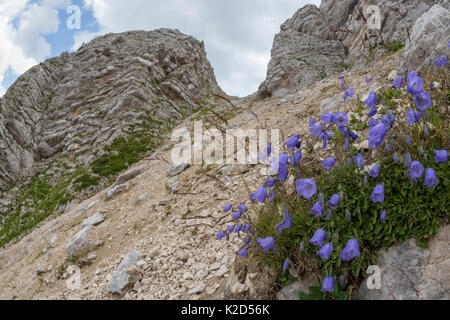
column 68, row 112
column 318, row 42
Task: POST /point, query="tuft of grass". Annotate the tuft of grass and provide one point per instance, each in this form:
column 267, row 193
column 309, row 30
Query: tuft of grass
column 394, row 46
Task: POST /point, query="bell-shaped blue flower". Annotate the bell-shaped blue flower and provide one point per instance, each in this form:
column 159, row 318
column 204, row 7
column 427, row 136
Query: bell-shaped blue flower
column 317, row 209
column 371, row 101
column 243, row 252
column 327, row 117
column 416, row 170
column 422, row 101
column 441, row 156
column 376, row 135
column 383, row 215
column 359, row 160
column 286, row 264
column 325, row 251
column 350, row 251
column 306, row 188
column 334, row 201
column 260, row 195
column 414, row 83
column 328, row 285
column 378, row 194
column 430, row 178
column 318, row 237
column 375, row 171
column 285, row 223
column 328, row 163
column 398, row 82
column 266, row 243
column 293, row 142
column 413, row 116
column 340, row 118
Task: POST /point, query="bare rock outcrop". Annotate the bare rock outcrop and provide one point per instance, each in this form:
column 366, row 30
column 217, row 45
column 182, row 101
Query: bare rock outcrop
column 411, row 273
column 318, row 42
column 75, row 121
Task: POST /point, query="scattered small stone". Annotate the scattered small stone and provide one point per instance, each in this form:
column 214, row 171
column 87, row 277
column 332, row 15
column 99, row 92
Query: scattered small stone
column 177, row 169
column 143, row 196
column 112, row 192
column 40, row 271
column 163, row 203
column 53, row 240
column 197, row 289
column 91, row 257
column 129, row 175
column 93, row 220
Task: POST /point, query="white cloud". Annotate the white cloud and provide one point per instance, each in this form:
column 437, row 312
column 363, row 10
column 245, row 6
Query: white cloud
column 23, row 24
column 238, row 34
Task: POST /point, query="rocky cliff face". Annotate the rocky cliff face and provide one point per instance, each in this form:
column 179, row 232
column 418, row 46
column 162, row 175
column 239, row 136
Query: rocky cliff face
column 318, row 42
column 76, row 119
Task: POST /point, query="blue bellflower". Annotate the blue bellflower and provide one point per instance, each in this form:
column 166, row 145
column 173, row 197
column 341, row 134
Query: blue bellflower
column 416, row 170
column 306, row 188
column 375, row 171
column 398, row 82
column 293, row 142
column 441, row 156
column 318, row 237
column 414, row 83
column 285, row 223
column 413, row 116
column 378, row 194
column 328, row 285
column 371, row 101
column 350, row 251
column 328, row 163
column 430, row 178
column 376, row 135
column 267, row 243
column 334, row 201
column 325, row 251
column 422, row 101
column 317, row 209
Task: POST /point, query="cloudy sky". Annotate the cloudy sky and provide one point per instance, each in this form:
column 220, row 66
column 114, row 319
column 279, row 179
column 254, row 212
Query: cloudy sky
column 238, row 34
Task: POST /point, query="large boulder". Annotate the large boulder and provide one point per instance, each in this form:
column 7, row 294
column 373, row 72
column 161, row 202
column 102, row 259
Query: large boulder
column 429, row 39
column 411, row 273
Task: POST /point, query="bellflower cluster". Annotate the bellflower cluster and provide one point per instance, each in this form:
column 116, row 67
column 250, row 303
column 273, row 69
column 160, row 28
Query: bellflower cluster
column 414, row 86
column 348, row 93
column 440, row 63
